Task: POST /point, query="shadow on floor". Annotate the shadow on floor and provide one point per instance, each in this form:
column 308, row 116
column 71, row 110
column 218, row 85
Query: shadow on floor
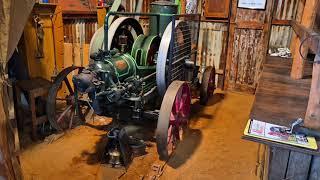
column 186, row 148
column 194, row 136
column 143, row 131
column 146, row 131
column 217, row 97
column 197, row 110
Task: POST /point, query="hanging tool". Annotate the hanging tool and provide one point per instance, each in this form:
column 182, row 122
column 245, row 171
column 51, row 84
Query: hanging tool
column 40, row 36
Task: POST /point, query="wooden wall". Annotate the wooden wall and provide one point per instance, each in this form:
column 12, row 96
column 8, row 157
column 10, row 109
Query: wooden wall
column 280, row 37
column 79, row 30
column 213, row 50
column 247, row 46
column 281, row 32
column 242, row 38
column 285, row 9
column 53, row 42
column 78, row 33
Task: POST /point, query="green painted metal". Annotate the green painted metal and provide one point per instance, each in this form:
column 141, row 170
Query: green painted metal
column 124, row 66
column 165, row 9
column 144, row 49
column 114, row 8
column 178, row 2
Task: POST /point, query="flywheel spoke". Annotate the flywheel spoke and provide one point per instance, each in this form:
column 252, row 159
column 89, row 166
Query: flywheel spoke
column 66, row 80
column 71, row 119
column 64, row 113
column 65, row 105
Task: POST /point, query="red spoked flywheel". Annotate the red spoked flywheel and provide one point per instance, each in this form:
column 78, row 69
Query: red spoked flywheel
column 173, row 118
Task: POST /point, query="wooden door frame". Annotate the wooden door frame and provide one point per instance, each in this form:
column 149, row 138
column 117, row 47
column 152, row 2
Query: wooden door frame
column 265, row 27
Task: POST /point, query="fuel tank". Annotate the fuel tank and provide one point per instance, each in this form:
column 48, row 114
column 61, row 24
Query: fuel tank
column 166, row 9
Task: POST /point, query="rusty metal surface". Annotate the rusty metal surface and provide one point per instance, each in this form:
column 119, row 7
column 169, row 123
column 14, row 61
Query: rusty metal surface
column 78, row 6
column 247, row 57
column 286, row 9
column 213, row 50
column 253, row 16
column 280, row 36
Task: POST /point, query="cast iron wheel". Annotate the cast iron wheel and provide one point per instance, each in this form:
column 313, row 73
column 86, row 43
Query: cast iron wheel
column 207, row 85
column 173, row 118
column 63, row 111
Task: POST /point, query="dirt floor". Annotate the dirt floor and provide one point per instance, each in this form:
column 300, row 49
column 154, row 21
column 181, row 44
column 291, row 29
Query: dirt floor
column 213, row 149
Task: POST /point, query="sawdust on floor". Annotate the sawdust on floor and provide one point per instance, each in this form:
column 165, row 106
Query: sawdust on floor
column 213, row 149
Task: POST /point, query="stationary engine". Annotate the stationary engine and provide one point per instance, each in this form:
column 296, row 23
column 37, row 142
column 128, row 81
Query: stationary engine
column 134, row 76
column 124, row 73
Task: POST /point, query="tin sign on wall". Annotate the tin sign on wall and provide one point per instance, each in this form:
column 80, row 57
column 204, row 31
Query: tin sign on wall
column 252, row 4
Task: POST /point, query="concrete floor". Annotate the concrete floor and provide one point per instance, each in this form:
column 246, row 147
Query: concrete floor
column 212, row 150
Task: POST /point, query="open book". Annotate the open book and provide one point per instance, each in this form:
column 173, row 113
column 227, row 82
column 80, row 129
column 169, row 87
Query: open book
column 277, row 133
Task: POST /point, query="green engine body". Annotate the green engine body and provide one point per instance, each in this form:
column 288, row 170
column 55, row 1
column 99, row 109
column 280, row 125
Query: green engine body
column 117, row 78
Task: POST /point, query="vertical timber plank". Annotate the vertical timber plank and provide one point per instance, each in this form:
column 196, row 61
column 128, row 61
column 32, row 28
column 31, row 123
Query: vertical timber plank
column 308, row 17
column 266, row 163
column 298, row 167
column 232, row 27
column 312, row 118
column 298, row 18
column 223, row 59
column 58, row 40
column 247, row 27
column 278, row 164
column 315, row 168
column 101, row 13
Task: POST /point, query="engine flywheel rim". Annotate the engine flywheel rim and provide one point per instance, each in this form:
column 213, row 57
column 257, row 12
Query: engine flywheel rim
column 162, row 79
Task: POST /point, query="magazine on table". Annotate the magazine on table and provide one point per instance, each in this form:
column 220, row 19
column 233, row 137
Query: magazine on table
column 278, row 133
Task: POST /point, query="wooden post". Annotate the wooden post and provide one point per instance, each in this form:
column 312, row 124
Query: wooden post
column 312, row 118
column 101, row 14
column 297, row 69
column 308, row 18
column 298, row 20
column 9, row 165
column 7, row 158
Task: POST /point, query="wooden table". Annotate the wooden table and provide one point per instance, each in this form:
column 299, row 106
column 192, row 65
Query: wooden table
column 281, row 100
